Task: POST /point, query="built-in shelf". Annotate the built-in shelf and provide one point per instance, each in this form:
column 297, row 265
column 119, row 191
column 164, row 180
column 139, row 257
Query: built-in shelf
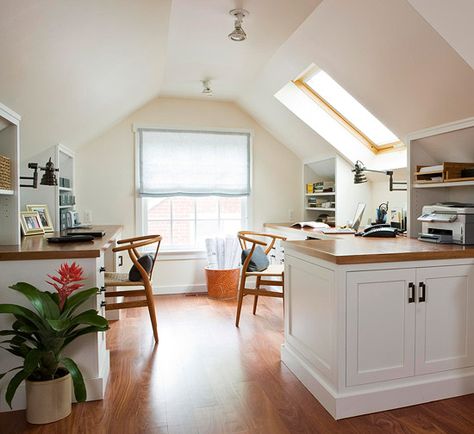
column 325, row 193
column 443, row 184
column 65, row 189
column 308, row 208
column 66, row 206
column 7, row 192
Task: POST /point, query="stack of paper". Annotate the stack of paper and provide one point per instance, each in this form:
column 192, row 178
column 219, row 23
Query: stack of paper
column 223, row 253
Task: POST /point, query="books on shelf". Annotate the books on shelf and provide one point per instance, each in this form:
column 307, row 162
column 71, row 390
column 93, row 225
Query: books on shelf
column 314, row 225
column 320, row 187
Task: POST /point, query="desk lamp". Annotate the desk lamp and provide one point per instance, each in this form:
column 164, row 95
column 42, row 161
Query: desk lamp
column 48, row 178
column 360, row 178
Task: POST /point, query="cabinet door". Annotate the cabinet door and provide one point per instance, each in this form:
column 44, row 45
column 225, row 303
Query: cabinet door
column 445, row 319
column 380, row 325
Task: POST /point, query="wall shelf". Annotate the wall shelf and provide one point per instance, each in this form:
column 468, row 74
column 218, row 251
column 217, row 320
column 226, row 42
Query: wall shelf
column 7, row 192
column 449, row 146
column 443, row 184
column 325, row 193
column 311, row 208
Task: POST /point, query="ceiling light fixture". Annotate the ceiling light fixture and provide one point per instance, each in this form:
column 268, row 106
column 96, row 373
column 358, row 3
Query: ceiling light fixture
column 238, row 34
column 206, row 87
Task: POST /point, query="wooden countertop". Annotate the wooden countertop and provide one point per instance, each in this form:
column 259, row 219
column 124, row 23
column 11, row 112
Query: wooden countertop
column 349, row 249
column 36, row 247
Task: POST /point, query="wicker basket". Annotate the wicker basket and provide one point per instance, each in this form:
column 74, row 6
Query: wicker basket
column 5, row 173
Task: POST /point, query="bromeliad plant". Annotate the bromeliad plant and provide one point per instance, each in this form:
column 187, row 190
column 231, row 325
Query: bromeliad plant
column 39, row 337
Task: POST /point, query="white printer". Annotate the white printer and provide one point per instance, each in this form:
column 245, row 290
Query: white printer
column 448, row 222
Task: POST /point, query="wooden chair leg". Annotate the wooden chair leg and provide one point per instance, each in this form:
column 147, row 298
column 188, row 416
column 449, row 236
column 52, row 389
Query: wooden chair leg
column 240, row 299
column 257, row 286
column 152, row 311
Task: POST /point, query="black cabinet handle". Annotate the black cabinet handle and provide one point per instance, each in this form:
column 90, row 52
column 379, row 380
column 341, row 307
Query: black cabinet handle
column 101, row 269
column 411, row 293
column 422, row 297
column 103, row 303
column 120, row 262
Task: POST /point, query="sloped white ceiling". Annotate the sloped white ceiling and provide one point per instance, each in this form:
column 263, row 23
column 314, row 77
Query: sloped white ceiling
column 198, row 46
column 453, row 20
column 384, row 53
column 73, row 68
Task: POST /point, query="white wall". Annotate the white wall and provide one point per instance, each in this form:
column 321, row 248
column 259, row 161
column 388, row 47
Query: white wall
column 105, row 175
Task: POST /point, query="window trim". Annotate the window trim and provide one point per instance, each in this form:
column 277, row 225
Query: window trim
column 301, row 84
column 190, row 254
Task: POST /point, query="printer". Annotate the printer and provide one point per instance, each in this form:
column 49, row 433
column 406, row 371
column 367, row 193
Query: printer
column 448, row 222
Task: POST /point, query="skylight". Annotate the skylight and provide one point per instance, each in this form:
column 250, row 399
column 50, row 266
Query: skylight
column 350, row 108
column 347, row 111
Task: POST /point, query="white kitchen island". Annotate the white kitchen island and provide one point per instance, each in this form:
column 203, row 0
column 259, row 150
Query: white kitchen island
column 30, row 262
column 376, row 324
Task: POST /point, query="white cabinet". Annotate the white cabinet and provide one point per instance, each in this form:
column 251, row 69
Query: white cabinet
column 380, row 325
column 405, row 322
column 445, row 320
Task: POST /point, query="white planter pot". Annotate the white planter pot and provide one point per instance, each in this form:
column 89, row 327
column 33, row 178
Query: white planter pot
column 48, row 401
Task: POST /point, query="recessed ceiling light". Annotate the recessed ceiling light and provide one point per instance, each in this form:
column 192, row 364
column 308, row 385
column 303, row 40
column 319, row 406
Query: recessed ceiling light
column 206, row 87
column 238, row 33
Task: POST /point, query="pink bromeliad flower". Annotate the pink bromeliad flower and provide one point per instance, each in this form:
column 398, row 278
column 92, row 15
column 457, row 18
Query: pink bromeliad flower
column 67, row 281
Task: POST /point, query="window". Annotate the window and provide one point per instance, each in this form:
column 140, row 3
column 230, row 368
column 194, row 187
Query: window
column 185, row 222
column 347, row 111
column 192, row 185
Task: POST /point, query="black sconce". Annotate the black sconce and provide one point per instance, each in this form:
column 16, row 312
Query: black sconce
column 48, row 178
column 360, row 178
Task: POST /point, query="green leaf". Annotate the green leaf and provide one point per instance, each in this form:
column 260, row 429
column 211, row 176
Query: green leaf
column 83, row 331
column 13, row 385
column 90, row 317
column 23, row 314
column 12, row 369
column 75, row 300
column 27, row 336
column 77, row 380
column 31, row 362
column 39, row 299
column 59, row 324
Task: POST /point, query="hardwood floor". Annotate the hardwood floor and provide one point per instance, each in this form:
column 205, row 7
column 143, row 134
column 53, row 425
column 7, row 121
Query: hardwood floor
column 206, row 376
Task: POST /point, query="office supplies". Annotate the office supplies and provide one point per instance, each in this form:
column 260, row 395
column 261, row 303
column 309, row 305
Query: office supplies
column 448, row 222
column 314, row 225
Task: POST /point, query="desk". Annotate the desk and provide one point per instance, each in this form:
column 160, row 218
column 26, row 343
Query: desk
column 373, row 324
column 30, row 262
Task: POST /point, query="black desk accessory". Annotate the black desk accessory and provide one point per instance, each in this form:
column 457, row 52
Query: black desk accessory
column 95, row 234
column 70, row 239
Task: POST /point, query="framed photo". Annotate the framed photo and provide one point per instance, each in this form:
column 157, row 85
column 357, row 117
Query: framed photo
column 30, row 222
column 43, row 213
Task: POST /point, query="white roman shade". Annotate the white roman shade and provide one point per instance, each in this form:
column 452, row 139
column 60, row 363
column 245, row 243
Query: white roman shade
column 193, row 163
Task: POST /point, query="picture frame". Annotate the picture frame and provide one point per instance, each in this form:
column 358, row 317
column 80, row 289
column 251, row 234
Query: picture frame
column 30, row 223
column 44, row 215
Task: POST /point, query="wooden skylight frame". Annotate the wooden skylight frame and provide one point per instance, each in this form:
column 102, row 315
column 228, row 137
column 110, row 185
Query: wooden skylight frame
column 301, row 84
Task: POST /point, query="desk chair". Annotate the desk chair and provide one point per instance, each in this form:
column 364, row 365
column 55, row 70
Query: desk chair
column 274, row 270
column 121, row 279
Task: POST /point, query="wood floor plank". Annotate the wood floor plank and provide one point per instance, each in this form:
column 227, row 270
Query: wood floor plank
column 206, row 376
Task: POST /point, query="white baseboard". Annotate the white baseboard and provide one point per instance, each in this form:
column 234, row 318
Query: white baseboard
column 415, row 390
column 179, row 289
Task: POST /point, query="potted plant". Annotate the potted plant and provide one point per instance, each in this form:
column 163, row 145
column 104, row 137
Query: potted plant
column 39, row 337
